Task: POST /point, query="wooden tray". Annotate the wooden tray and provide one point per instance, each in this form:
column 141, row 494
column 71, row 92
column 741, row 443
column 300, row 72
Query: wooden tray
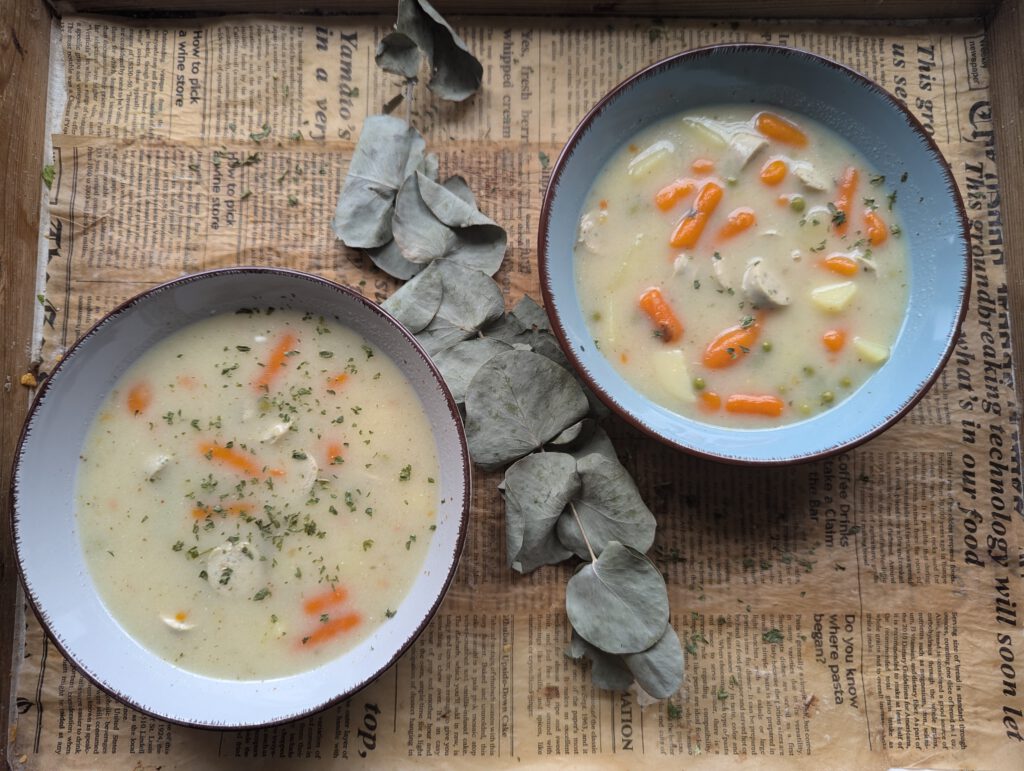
column 25, row 39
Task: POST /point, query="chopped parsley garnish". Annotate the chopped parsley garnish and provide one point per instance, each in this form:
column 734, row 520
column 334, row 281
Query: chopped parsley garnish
column 178, row 546
column 406, row 474
column 262, row 594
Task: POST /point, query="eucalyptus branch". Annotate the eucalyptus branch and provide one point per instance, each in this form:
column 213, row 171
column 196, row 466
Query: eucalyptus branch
column 579, row 522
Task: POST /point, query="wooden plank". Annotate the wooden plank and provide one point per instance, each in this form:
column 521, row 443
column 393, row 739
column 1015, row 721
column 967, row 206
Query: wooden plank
column 717, row 9
column 24, row 70
column 1006, row 63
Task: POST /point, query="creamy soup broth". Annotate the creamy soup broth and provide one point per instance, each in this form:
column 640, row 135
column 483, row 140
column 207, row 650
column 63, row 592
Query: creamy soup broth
column 742, row 267
column 257, row 494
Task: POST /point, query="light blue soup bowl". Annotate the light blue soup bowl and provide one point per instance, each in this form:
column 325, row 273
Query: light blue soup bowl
column 935, row 231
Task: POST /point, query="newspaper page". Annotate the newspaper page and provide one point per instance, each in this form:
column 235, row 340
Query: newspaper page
column 893, row 573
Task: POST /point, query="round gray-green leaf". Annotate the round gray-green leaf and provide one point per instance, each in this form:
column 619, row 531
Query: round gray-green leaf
column 610, row 508
column 659, row 669
column 537, row 488
column 459, row 363
column 448, row 204
column 619, row 602
column 398, row 54
column 416, row 303
column 585, row 438
column 433, row 222
column 389, row 259
column 388, row 151
column 470, row 301
column 607, row 670
column 457, row 184
column 516, row 403
column 455, row 74
column 419, row 234
column 532, row 316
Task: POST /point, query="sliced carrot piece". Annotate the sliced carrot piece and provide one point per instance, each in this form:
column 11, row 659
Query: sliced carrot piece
column 834, row 339
column 755, row 404
column 275, row 362
column 180, row 616
column 602, row 204
column 703, row 166
column 773, row 172
column 688, row 230
column 140, row 396
column 875, row 227
column 318, row 603
column 844, row 200
column 669, row 195
column 739, row 220
column 731, row 345
column 710, row 401
column 624, row 357
column 781, row 130
column 332, row 628
column 232, row 458
column 844, row 266
column 666, row 323
column 334, row 453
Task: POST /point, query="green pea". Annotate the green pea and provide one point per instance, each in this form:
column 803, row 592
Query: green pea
column 845, row 382
column 827, row 397
column 766, row 346
column 698, row 383
column 797, row 203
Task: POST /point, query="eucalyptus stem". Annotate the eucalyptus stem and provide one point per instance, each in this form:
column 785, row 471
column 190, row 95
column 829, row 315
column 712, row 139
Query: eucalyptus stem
column 593, row 557
column 409, row 90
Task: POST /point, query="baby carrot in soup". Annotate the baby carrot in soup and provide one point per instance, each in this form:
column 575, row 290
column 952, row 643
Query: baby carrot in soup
column 666, row 324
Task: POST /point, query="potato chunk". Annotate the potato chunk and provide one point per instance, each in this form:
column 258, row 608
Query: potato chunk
column 870, row 351
column 673, row 374
column 834, row 298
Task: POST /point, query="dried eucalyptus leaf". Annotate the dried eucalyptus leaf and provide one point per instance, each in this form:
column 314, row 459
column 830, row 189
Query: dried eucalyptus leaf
column 619, row 602
column 397, row 53
column 430, row 166
column 531, row 315
column 505, row 329
column 458, row 185
column 389, row 259
column 456, row 72
column 419, row 234
column 537, row 488
column 469, row 302
column 416, row 303
column 659, row 669
column 570, row 435
column 446, row 203
column 461, row 234
column 544, row 343
column 610, row 508
column 515, row 403
column 459, row 363
column 607, row 670
column 592, row 439
column 388, row 150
